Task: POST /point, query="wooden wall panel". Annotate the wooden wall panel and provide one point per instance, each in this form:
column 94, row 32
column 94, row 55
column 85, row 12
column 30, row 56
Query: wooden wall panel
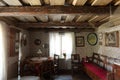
column 13, row 36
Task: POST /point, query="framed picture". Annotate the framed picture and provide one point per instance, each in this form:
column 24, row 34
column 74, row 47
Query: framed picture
column 37, row 42
column 17, row 43
column 23, row 40
column 112, row 39
column 92, row 39
column 80, row 41
column 100, row 37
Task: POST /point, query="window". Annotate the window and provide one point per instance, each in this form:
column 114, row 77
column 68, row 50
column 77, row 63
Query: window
column 62, row 43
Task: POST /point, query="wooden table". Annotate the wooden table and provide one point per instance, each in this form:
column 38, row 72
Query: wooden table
column 38, row 63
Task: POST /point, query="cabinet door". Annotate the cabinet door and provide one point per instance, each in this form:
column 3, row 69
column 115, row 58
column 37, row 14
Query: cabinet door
column 13, row 41
column 116, row 72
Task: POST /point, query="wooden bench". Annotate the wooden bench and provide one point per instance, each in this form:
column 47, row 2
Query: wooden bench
column 99, row 67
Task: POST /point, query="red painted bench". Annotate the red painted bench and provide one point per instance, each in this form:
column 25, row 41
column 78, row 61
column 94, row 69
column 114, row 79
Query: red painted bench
column 98, row 67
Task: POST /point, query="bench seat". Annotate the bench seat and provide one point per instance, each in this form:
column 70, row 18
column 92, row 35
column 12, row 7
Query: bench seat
column 96, row 70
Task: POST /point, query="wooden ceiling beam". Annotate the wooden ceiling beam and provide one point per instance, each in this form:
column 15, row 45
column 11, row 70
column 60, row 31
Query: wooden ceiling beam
column 57, row 25
column 36, row 11
column 117, row 2
column 63, row 30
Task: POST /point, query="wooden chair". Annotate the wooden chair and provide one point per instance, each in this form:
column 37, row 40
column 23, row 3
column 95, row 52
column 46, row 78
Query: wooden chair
column 44, row 67
column 27, row 69
column 56, row 63
column 75, row 62
column 47, row 69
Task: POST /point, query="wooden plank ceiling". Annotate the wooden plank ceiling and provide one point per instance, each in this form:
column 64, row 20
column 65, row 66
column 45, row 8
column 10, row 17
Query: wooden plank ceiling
column 57, row 13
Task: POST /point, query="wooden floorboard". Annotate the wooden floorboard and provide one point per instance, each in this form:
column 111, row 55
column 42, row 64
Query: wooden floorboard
column 68, row 76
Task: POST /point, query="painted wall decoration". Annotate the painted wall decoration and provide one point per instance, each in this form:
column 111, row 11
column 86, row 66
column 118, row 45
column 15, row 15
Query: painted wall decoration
column 112, row 39
column 24, row 40
column 80, row 41
column 37, row 41
column 92, row 39
column 100, row 37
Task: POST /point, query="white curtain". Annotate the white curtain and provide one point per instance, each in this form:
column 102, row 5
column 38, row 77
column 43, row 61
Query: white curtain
column 62, row 43
column 3, row 71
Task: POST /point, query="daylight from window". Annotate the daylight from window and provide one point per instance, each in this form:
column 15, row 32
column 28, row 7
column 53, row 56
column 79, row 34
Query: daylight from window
column 61, row 43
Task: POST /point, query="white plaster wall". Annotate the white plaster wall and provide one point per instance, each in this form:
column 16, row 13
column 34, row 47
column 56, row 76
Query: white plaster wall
column 12, row 61
column 87, row 50
column 25, row 50
column 109, row 51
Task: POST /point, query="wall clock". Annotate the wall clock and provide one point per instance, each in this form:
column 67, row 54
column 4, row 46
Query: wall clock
column 92, row 39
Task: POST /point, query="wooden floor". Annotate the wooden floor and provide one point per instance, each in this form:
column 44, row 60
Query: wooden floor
column 68, row 76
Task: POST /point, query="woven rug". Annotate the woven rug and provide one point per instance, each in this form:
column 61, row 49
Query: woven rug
column 64, row 77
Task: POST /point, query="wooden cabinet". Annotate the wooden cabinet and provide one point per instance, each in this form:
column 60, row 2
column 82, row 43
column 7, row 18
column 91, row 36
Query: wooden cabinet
column 13, row 36
column 116, row 71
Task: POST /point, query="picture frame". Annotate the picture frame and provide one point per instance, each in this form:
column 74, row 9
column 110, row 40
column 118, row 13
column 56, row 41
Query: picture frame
column 17, row 43
column 92, row 39
column 112, row 39
column 23, row 40
column 80, row 42
column 37, row 41
column 100, row 37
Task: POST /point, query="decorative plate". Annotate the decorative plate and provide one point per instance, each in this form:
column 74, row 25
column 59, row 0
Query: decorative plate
column 37, row 42
column 92, row 39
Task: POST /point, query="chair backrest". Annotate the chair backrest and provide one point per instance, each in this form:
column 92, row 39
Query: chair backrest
column 75, row 57
column 56, row 59
column 26, row 68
